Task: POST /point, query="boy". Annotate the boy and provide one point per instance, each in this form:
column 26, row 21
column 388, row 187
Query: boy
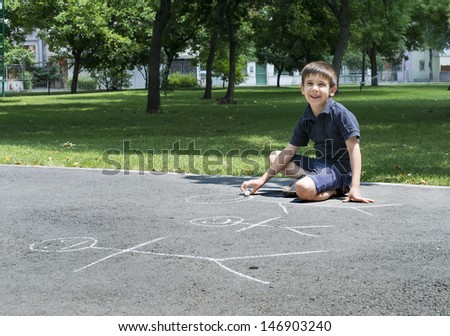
column 335, row 133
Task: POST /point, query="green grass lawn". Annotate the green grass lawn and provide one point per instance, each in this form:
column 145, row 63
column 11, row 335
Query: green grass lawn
column 405, row 131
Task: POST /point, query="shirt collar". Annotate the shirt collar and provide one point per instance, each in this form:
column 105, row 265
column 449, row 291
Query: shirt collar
column 327, row 108
column 309, row 114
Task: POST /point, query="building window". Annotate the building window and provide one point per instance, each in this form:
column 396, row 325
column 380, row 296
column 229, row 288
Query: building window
column 422, row 65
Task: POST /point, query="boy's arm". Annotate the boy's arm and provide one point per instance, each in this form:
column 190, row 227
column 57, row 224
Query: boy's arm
column 277, row 165
column 356, row 164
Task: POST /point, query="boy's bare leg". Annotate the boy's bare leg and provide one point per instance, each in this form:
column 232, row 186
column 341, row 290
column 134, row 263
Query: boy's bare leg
column 306, row 191
column 305, row 187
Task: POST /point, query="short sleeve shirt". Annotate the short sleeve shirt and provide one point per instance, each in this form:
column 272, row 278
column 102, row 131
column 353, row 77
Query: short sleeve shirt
column 329, row 131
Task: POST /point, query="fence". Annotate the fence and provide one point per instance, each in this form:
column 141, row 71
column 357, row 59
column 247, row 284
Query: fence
column 20, row 78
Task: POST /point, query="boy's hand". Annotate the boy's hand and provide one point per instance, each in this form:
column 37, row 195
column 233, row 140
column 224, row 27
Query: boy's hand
column 355, row 195
column 254, row 184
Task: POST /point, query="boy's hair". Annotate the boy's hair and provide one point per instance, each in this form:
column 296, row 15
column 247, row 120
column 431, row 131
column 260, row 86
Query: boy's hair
column 320, row 68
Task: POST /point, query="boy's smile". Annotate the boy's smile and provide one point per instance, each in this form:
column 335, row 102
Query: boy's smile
column 317, row 90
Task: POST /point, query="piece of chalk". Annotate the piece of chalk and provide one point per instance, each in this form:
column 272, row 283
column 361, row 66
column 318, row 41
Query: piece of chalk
column 247, row 193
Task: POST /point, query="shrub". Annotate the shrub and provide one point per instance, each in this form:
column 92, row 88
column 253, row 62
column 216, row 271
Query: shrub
column 179, row 80
column 27, row 81
column 84, row 83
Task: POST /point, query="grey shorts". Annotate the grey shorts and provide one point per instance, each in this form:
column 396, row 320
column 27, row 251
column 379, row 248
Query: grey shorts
column 325, row 175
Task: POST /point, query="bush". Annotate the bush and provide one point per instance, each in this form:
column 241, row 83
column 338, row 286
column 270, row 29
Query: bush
column 84, row 83
column 112, row 78
column 27, row 81
column 179, row 80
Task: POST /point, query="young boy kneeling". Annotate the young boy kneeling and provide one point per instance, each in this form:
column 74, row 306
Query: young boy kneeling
column 334, row 130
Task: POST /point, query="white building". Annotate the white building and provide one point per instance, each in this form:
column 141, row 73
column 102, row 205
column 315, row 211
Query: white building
column 417, row 66
column 258, row 74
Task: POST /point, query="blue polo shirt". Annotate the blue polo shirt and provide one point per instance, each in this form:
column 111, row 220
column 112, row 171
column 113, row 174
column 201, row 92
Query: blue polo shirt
column 329, row 131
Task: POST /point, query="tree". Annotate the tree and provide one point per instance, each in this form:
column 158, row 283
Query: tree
column 381, row 29
column 341, row 12
column 17, row 54
column 221, row 68
column 429, row 29
column 98, row 35
column 145, row 16
column 183, row 31
column 216, row 24
column 285, row 35
column 19, row 60
column 48, row 74
column 161, row 20
column 232, row 23
column 124, row 44
column 73, row 29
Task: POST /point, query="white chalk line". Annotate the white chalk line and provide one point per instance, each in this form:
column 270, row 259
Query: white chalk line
column 309, row 226
column 293, row 228
column 343, row 206
column 284, row 208
column 224, row 221
column 323, row 204
column 75, row 245
column 240, row 274
column 35, row 246
column 361, row 210
column 285, row 254
column 258, row 224
column 118, row 253
column 301, row 233
column 217, row 261
column 193, row 199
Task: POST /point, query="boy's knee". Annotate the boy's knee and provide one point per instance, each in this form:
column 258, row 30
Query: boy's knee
column 306, row 189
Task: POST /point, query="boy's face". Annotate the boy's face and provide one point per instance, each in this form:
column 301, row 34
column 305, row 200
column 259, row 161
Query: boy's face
column 317, row 90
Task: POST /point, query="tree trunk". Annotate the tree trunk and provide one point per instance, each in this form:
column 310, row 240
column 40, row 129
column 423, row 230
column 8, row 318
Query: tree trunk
column 161, row 19
column 229, row 96
column 363, row 68
column 166, row 71
column 212, row 49
column 342, row 15
column 280, row 71
column 76, row 72
column 430, row 64
column 373, row 65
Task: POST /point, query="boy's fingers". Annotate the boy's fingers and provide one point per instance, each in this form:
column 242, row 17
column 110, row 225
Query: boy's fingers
column 358, row 199
column 245, row 186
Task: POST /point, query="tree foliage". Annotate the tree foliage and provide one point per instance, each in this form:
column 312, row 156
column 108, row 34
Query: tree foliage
column 380, row 29
column 285, row 38
column 110, row 37
column 429, row 29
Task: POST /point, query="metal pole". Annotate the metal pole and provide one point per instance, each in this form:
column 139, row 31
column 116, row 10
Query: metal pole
column 2, row 4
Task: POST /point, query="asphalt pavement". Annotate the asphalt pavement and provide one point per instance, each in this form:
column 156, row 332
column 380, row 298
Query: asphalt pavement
column 89, row 242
